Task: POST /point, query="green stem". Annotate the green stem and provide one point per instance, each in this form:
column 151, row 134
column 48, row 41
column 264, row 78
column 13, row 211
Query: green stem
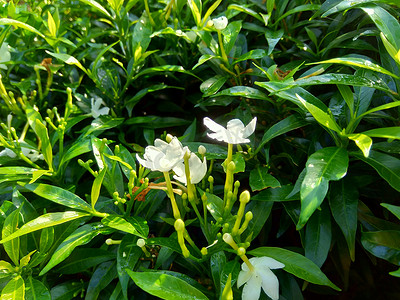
column 175, row 209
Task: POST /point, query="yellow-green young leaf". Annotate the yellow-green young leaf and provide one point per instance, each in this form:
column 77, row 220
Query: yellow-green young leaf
column 118, row 159
column 210, row 11
column 381, row 107
column 68, row 59
column 358, row 62
column 385, row 132
column 37, row 174
column 395, row 54
column 5, row 269
column 9, row 227
column 46, row 220
column 97, row 6
column 25, row 260
column 319, row 115
column 364, row 142
column 14, row 290
column 21, row 25
column 227, row 293
column 43, row 134
column 196, row 10
column 347, row 95
column 51, row 24
column 94, row 196
column 36, row 290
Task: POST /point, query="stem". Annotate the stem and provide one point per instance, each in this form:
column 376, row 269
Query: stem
column 175, row 209
column 222, row 50
column 247, row 262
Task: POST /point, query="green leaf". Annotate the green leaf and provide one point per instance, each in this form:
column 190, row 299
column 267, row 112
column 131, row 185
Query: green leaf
column 246, row 10
column 58, row 195
column 101, row 278
column 252, row 54
column 133, row 225
column 386, row 23
column 215, row 205
column 16, row 171
column 260, row 179
column 385, row 132
column 82, row 259
column 68, row 59
column 217, row 262
column 43, row 134
column 364, row 142
column 94, row 195
column 384, row 244
column 46, row 220
column 243, row 91
column 127, row 256
column 10, row 226
column 288, row 124
column 357, row 62
column 297, row 9
column 79, row 147
column 196, row 7
column 387, row 166
column 322, row 117
column 322, row 166
column 393, row 209
column 296, row 264
column 81, row 236
column 278, row 194
column 273, row 37
column 67, row 290
column 343, row 200
column 165, row 286
column 98, row 7
column 16, row 23
column 381, row 107
column 348, row 97
column 230, row 34
column 164, row 68
column 212, row 85
column 36, row 290
column 261, row 211
column 14, row 290
column 239, row 161
column 318, row 237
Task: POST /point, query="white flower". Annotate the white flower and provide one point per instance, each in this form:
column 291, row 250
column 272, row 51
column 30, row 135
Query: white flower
column 220, row 23
column 30, row 153
column 162, row 156
column 96, row 111
column 261, row 276
column 5, row 55
column 235, row 132
column 198, row 170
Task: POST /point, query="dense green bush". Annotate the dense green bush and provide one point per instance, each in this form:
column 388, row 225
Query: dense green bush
column 302, row 176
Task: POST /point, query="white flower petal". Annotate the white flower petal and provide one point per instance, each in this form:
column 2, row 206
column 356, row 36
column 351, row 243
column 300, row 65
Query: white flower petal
column 235, row 133
column 220, row 23
column 266, row 262
column 243, row 277
column 252, row 289
column 250, row 128
column 269, row 283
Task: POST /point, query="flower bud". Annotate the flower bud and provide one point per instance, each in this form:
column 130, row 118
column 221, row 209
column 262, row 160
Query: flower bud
column 231, row 166
column 179, row 225
column 204, row 251
column 141, row 243
column 245, row 197
column 169, row 138
column 241, row 251
column 202, row 150
column 220, row 23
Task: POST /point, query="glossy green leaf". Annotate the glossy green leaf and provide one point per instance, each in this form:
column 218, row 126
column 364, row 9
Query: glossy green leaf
column 82, row 259
column 215, row 205
column 231, row 267
column 318, row 237
column 47, row 151
column 385, row 132
column 379, row 108
column 384, row 244
column 67, row 290
column 243, row 91
column 165, row 286
column 46, row 239
column 278, row 194
column 80, row 146
column 36, row 290
column 7, row 21
column 252, row 54
column 273, row 37
column 164, row 68
column 97, row 7
column 357, row 62
column 386, row 23
column 393, row 209
column 246, row 10
column 239, row 161
column 46, row 220
column 196, row 7
column 101, row 278
column 296, row 264
column 322, row 166
column 288, row 124
column 94, row 196
column 261, row 211
column 297, row 9
column 81, row 236
column 16, row 171
column 68, row 59
column 322, row 117
column 127, row 256
column 348, row 97
column 57, row 195
column 10, row 226
column 364, row 142
column 103, row 123
column 156, row 122
column 387, row 166
column 343, row 200
column 260, row 179
column 217, row 262
column 133, row 225
column 212, row 85
column 230, row 34
column 14, row 290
